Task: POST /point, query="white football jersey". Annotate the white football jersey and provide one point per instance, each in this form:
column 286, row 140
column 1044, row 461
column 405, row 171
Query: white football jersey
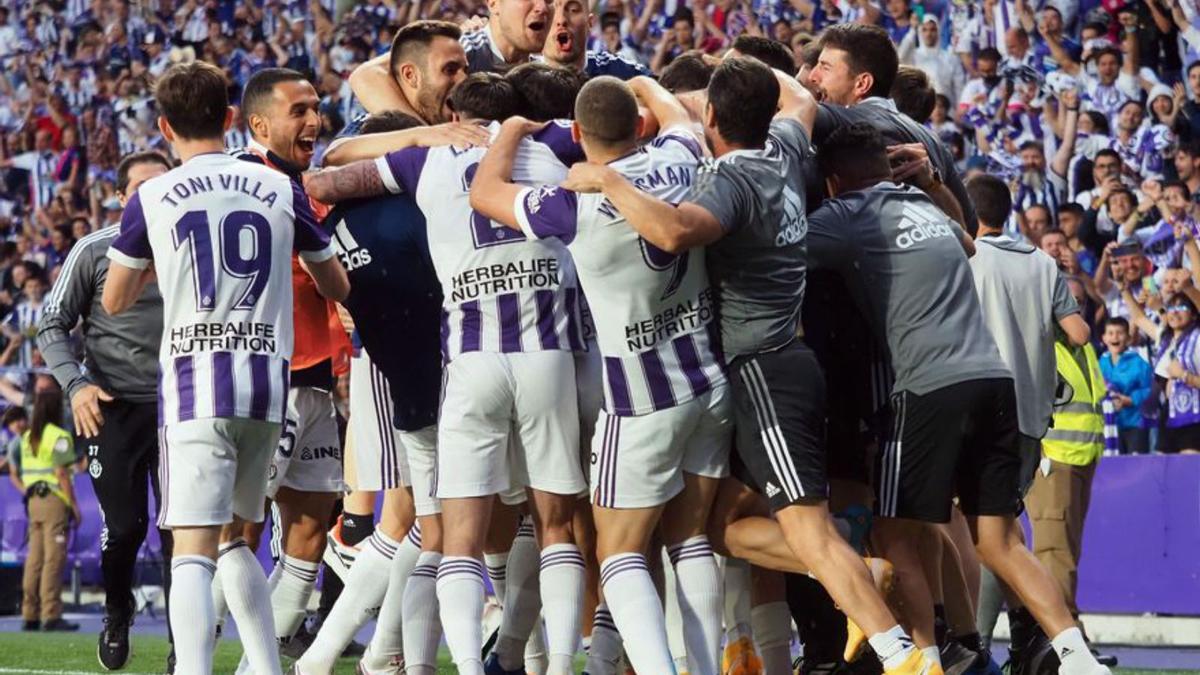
column 222, row 240
column 503, row 292
column 653, row 310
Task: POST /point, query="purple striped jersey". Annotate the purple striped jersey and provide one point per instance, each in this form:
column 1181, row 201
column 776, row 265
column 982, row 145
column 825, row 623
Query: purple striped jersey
column 653, row 310
column 221, row 242
column 502, row 292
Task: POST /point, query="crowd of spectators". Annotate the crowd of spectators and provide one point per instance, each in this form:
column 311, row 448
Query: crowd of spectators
column 1090, row 109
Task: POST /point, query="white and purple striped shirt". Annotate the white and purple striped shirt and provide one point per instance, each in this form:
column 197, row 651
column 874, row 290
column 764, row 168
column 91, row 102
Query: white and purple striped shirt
column 502, row 292
column 653, row 310
column 222, row 240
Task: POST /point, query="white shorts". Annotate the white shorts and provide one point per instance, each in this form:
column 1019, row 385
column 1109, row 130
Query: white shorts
column 589, row 383
column 379, row 462
column 309, row 455
column 638, row 462
column 504, row 414
column 213, row 469
column 420, row 449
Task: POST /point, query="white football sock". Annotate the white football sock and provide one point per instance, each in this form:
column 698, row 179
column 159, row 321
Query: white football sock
column 892, row 646
column 1074, row 655
column 698, row 587
column 422, row 625
column 250, row 604
column 536, row 661
column 933, row 654
column 772, row 626
column 561, row 579
column 604, row 653
column 388, row 639
column 671, row 613
column 289, row 598
column 191, row 614
column 522, row 600
column 220, row 607
column 737, row 599
column 364, row 588
column 497, row 568
column 460, row 597
column 633, row 601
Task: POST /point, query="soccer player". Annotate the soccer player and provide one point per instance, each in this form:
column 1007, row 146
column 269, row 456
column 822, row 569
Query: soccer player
column 224, row 232
column 395, row 302
column 953, row 415
column 510, row 321
column 306, row 471
column 515, row 31
column 666, row 419
column 114, row 404
column 747, row 208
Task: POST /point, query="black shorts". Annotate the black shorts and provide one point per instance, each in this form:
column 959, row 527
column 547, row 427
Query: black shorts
column 1174, row 439
column 779, row 407
column 958, row 440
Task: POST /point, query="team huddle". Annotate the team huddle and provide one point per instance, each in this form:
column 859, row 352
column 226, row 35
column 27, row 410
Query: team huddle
column 590, row 320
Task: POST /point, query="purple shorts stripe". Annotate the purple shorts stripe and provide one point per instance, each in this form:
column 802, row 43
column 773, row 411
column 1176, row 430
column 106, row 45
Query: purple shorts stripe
column 545, row 319
column 286, row 378
column 602, row 464
column 614, row 448
column 618, row 386
column 224, row 398
column 689, row 362
column 161, row 405
column 509, row 311
column 260, row 386
column 571, row 300
column 445, row 335
column 472, row 327
column 658, row 381
column 164, row 475
column 383, row 422
column 185, row 388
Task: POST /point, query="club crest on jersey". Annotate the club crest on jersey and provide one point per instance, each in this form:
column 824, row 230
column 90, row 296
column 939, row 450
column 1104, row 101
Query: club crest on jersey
column 535, row 198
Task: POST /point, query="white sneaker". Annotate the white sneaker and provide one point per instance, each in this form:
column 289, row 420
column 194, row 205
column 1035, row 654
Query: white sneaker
column 339, row 556
column 395, row 666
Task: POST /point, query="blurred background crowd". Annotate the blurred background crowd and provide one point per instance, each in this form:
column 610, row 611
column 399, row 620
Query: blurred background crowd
column 1110, row 193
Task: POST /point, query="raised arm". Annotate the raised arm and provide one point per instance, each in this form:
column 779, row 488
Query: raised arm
column 369, row 146
column 796, row 102
column 493, row 193
column 661, row 103
column 375, row 87
column 352, row 181
column 1137, row 316
column 1061, row 163
column 673, row 229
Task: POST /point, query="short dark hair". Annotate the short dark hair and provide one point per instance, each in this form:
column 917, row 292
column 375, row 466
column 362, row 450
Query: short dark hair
column 484, row 96
column 1106, row 152
column 992, row 200
column 607, row 111
column 14, row 414
column 545, row 92
column 1178, row 185
column 913, row 94
column 811, row 54
column 989, row 54
column 1192, row 147
column 261, row 87
column 1099, row 121
column 610, row 19
column 1072, row 208
column 685, row 14
column 388, row 120
column 1195, row 65
column 1115, row 51
column 868, row 49
column 194, row 97
column 855, row 153
column 1118, row 321
column 130, row 161
column 688, row 72
column 744, row 96
column 416, row 37
column 1031, row 145
column 771, row 52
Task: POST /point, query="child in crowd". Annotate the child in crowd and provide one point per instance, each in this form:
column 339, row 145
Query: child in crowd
column 1130, row 380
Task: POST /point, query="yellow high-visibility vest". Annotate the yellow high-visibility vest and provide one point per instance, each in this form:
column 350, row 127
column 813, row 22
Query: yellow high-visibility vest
column 1077, row 436
column 40, row 467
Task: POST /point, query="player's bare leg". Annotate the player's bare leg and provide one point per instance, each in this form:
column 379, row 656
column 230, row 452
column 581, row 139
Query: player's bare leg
column 460, row 578
column 561, row 576
column 1001, row 549
column 900, row 541
column 698, row 578
column 305, row 518
column 622, row 536
column 387, row 558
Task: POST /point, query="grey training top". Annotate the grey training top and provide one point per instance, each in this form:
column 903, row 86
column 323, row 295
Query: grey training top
column 121, row 352
column 905, row 268
column 1023, row 295
column 758, row 267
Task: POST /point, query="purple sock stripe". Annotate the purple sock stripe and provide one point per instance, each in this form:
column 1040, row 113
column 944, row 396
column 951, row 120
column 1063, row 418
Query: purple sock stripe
column 608, row 624
column 299, row 572
column 414, row 535
column 231, row 546
column 384, row 549
column 460, row 568
column 692, row 556
column 632, row 563
column 430, row 571
column 557, row 559
column 497, row 572
column 684, row 551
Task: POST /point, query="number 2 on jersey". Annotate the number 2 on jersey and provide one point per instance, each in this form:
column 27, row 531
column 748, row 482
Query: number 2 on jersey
column 193, row 229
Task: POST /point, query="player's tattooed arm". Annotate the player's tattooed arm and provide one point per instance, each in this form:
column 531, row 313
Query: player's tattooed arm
column 493, row 194
column 353, row 181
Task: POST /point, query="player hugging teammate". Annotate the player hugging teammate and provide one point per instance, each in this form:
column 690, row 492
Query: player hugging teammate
column 576, row 314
